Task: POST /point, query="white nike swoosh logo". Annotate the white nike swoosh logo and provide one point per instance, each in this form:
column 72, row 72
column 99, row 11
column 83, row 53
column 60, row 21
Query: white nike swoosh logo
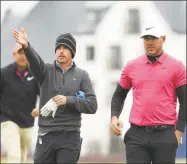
column 30, row 78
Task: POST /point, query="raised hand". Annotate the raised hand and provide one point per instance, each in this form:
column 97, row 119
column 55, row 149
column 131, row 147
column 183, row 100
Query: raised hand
column 21, row 37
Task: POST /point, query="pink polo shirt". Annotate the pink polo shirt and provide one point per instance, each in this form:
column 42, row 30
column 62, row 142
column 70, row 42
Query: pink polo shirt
column 154, row 89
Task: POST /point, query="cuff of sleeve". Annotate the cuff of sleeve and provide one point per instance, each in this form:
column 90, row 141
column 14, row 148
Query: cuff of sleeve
column 180, row 127
column 70, row 100
column 114, row 114
column 26, row 49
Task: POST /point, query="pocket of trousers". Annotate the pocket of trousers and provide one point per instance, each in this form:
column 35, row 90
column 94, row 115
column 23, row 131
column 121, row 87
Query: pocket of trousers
column 126, row 136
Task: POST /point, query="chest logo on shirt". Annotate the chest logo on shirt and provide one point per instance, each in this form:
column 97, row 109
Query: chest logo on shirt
column 30, row 78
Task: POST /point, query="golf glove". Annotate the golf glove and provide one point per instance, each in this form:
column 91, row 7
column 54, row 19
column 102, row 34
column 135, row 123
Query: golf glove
column 48, row 108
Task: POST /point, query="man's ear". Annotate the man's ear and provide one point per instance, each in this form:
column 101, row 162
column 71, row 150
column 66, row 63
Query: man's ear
column 163, row 39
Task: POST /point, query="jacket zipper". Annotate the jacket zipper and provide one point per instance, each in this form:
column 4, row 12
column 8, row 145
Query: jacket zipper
column 63, row 78
column 64, row 73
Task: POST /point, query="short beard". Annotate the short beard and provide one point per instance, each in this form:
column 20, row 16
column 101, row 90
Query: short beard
column 60, row 62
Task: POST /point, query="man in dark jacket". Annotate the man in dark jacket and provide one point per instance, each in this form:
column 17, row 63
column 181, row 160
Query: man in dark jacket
column 19, row 91
column 59, row 134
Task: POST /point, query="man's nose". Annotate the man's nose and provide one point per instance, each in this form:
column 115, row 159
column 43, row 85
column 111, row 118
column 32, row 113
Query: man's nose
column 61, row 49
column 150, row 41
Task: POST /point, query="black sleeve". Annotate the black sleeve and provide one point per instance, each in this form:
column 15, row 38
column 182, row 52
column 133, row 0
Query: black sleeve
column 36, row 64
column 182, row 116
column 118, row 100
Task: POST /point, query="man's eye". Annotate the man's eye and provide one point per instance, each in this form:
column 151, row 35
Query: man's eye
column 62, row 46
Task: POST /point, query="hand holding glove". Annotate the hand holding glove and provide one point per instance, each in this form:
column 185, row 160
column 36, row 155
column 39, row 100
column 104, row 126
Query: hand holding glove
column 53, row 103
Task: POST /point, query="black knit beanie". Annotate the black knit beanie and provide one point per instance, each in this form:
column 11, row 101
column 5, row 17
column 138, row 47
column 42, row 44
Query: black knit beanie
column 68, row 41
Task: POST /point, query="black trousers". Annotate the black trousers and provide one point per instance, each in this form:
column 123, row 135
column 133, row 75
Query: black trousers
column 58, row 147
column 158, row 147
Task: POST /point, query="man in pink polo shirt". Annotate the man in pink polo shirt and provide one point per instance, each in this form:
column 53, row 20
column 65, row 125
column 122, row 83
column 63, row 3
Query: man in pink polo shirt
column 157, row 80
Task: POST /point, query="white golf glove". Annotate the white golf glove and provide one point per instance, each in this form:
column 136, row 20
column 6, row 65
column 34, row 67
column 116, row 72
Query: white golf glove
column 48, row 108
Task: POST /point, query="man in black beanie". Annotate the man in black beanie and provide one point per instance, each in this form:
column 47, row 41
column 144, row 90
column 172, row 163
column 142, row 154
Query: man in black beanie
column 68, row 41
column 59, row 120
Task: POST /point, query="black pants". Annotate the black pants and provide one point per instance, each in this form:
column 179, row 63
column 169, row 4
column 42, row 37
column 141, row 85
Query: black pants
column 145, row 146
column 58, row 147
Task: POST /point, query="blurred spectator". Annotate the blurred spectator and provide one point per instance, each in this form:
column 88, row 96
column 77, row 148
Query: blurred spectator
column 19, row 92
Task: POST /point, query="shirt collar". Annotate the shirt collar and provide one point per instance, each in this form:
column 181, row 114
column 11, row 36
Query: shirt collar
column 160, row 59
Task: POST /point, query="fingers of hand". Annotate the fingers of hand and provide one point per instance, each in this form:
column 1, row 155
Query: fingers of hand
column 115, row 129
column 56, row 98
column 59, row 102
column 16, row 36
column 34, row 113
column 178, row 135
column 22, row 30
column 15, row 32
column 179, row 139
